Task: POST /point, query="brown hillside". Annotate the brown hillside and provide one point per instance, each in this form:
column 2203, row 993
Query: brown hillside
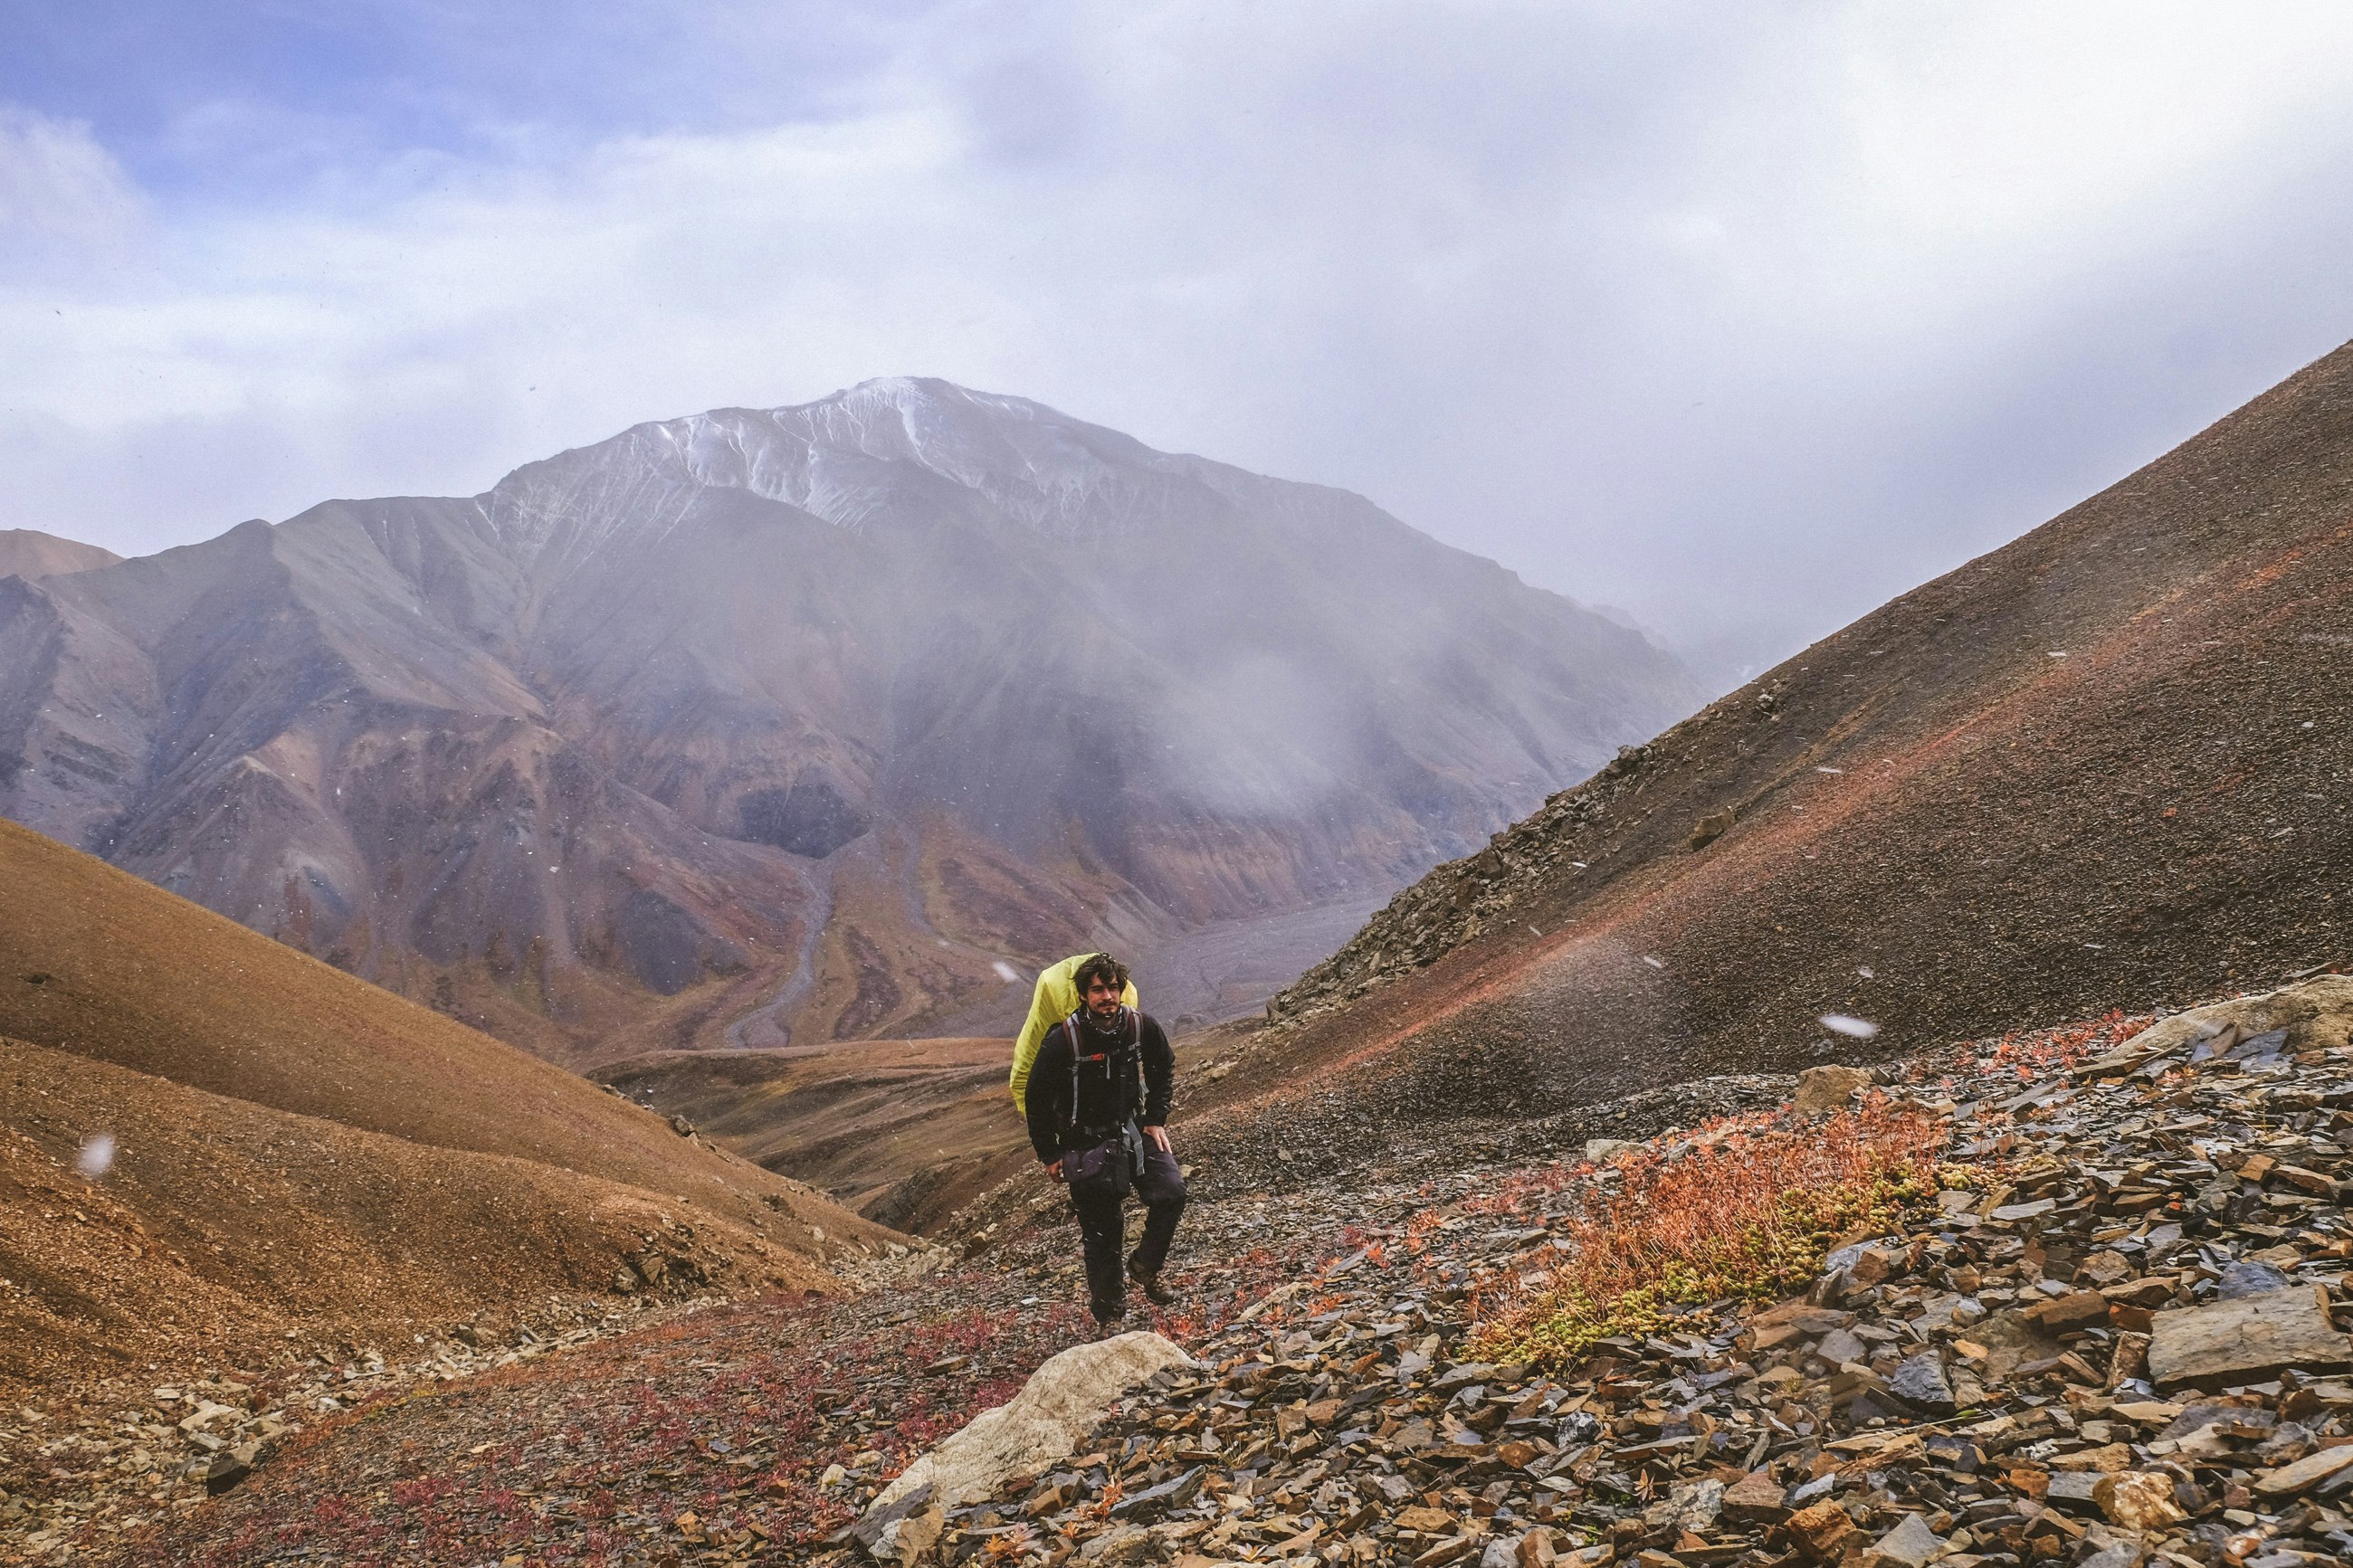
column 898, row 1130
column 224, row 1224
column 296, row 1142
column 29, row 552
column 2104, row 763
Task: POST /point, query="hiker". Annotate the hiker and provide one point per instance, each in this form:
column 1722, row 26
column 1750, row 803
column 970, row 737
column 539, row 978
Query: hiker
column 1097, row 1104
column 1055, row 999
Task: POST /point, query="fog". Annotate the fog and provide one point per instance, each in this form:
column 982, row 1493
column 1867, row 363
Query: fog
column 1740, row 321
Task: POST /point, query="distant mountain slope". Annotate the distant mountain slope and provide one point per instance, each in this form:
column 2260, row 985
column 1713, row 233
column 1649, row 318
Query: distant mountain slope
column 893, row 1129
column 296, row 1145
column 29, row 552
column 2106, row 761
column 799, row 724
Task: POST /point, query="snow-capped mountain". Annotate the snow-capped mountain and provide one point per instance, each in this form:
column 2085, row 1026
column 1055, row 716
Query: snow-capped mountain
column 799, row 721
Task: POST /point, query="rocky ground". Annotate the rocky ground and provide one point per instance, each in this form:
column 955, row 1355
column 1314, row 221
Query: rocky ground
column 2115, row 1335
column 96, row 1464
column 700, row 1431
column 2112, row 1338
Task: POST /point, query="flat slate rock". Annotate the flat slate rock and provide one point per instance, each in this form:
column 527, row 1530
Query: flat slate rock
column 2241, row 1281
column 2246, row 1339
column 2308, row 1471
column 1910, row 1544
column 1921, row 1381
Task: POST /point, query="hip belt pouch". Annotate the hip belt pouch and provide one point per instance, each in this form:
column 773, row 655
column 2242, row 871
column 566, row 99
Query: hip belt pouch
column 1106, row 1168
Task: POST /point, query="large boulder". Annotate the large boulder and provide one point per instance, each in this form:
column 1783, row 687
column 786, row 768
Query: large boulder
column 2315, row 1014
column 1060, row 1404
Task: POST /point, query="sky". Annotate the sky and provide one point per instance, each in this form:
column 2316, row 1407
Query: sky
column 1741, row 319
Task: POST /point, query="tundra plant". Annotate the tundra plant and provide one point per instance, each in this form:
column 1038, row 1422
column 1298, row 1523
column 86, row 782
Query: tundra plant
column 1747, row 1212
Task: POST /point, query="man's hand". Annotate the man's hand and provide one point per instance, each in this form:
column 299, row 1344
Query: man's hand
column 1054, row 1171
column 1159, row 1135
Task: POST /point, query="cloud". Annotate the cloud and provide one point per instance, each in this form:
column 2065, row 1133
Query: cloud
column 64, row 201
column 1744, row 322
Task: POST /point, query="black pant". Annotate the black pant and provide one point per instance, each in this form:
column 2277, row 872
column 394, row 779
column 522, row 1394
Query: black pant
column 1160, row 1186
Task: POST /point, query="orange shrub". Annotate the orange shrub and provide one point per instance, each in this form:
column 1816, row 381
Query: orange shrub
column 1747, row 1216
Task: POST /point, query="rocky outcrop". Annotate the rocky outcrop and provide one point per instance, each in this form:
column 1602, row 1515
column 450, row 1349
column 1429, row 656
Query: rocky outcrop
column 1454, row 903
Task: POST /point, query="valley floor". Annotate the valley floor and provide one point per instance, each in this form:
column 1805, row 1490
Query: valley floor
column 2045, row 1359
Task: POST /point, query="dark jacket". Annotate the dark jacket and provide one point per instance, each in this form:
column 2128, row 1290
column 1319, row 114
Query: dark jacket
column 1130, row 1078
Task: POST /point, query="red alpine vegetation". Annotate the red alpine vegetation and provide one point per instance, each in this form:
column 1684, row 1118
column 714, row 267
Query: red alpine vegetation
column 1744, row 1209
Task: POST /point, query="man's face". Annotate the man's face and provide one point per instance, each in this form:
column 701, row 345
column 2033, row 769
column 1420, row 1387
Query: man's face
column 1102, row 997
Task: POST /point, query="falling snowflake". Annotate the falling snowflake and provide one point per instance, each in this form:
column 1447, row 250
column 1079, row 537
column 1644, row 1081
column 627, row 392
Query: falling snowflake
column 97, row 1156
column 1841, row 1024
column 1006, row 972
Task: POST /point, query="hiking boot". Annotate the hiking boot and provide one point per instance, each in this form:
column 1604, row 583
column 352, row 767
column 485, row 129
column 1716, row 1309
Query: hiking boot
column 1148, row 1282
column 1106, row 1313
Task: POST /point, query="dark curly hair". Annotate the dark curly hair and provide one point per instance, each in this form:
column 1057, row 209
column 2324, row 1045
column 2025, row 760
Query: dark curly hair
column 1101, row 965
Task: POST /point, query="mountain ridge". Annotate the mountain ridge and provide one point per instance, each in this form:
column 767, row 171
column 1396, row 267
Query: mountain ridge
column 761, row 725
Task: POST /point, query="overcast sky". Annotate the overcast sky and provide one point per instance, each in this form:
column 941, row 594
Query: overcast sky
column 1741, row 318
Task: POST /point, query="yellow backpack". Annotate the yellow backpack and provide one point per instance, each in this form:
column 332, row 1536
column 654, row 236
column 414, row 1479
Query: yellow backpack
column 1056, row 998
